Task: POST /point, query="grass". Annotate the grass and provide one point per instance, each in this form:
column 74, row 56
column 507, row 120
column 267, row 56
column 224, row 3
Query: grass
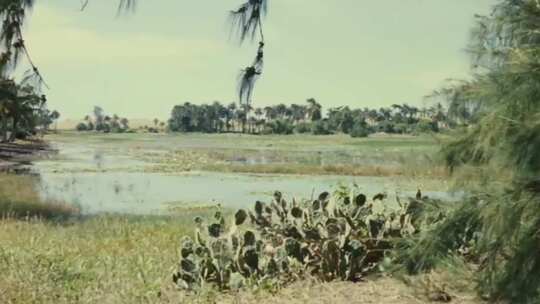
column 130, row 259
column 330, row 169
column 106, row 259
column 19, row 199
column 122, row 259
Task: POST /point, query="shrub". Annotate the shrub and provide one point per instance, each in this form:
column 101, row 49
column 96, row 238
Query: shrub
column 81, row 127
column 385, row 126
column 360, row 131
column 303, row 127
column 426, row 126
column 401, row 128
column 320, row 127
column 279, row 126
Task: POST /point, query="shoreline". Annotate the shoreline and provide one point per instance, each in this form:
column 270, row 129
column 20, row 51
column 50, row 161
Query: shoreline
column 16, row 155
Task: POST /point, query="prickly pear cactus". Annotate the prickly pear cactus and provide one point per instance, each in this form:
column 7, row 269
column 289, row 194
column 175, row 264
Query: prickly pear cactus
column 336, row 236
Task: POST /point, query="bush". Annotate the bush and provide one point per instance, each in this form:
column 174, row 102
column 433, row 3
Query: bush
column 359, row 131
column 426, row 127
column 401, row 128
column 303, row 127
column 279, row 126
column 385, row 126
column 320, row 127
column 81, row 127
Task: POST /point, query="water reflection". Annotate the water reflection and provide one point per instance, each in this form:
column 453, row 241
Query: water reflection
column 100, row 180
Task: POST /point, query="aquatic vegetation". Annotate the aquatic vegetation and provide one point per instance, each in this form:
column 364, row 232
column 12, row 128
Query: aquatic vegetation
column 339, row 236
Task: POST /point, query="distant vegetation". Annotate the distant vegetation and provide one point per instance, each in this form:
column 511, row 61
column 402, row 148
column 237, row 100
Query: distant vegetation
column 309, row 118
column 102, row 122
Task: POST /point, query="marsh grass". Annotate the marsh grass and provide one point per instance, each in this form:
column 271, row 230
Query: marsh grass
column 294, row 154
column 333, row 169
column 130, row 259
column 103, row 259
column 20, row 199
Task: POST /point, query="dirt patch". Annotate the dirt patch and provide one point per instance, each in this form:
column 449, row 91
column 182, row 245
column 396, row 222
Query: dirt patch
column 381, row 291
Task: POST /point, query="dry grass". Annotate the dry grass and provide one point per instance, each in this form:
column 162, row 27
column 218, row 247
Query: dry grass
column 339, row 169
column 384, row 290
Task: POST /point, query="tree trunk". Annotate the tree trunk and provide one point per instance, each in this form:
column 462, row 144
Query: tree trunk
column 13, row 135
column 4, row 129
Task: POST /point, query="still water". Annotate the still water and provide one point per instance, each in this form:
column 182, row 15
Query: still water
column 111, row 181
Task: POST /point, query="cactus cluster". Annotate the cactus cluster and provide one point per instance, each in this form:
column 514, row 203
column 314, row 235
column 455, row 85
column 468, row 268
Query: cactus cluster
column 337, row 236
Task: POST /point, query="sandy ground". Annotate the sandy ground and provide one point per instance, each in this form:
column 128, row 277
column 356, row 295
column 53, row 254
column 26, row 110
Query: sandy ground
column 380, row 291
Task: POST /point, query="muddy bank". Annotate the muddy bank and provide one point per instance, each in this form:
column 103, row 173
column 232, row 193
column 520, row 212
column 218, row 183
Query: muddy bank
column 18, row 156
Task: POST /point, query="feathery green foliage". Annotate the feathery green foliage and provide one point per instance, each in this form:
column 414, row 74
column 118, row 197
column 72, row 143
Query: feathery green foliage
column 505, row 93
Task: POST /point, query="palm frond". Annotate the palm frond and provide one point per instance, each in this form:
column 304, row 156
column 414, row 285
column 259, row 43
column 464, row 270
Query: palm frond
column 249, row 76
column 126, row 5
column 246, row 20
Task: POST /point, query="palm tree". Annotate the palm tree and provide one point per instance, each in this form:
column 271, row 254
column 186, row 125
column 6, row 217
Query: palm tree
column 231, row 114
column 270, row 113
column 298, row 113
column 8, row 92
column 125, row 123
column 314, row 109
column 22, row 109
column 55, row 115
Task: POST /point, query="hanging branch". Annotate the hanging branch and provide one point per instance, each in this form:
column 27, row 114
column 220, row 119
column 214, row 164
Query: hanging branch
column 249, row 76
column 12, row 15
column 123, row 5
column 246, row 22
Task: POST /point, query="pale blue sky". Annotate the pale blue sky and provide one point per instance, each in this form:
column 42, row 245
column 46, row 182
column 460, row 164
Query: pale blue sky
column 362, row 53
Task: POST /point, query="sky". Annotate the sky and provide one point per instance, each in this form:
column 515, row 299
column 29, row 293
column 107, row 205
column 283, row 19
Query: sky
column 360, row 53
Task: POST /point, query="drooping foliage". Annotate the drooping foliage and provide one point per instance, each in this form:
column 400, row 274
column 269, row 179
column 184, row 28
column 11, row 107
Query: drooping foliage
column 13, row 15
column 506, row 53
column 22, row 105
column 246, row 23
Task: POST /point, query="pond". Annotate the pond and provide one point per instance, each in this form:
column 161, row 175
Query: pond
column 105, row 178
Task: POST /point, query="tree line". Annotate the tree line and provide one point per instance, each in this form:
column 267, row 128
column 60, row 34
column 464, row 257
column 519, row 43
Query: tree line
column 101, row 122
column 310, row 118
